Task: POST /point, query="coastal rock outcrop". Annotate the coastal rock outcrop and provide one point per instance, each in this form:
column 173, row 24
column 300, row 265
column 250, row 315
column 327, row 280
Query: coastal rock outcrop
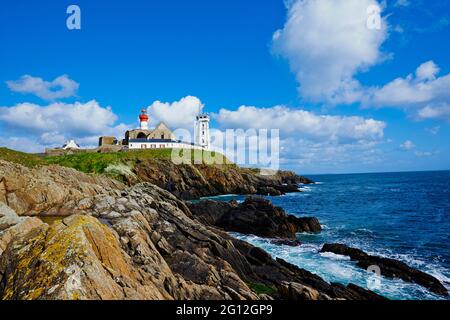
column 255, row 215
column 107, row 241
column 44, row 189
column 390, row 268
column 189, row 182
column 11, row 225
column 78, row 258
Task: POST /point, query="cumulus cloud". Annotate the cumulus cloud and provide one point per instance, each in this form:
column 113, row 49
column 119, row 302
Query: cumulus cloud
column 408, row 145
column 178, row 114
column 59, row 88
column 24, row 144
column 308, row 140
column 424, row 94
column 292, row 122
column 435, row 111
column 327, row 42
column 427, row 71
column 53, row 124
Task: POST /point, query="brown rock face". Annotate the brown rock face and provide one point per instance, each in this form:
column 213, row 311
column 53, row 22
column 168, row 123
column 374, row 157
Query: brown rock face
column 130, row 243
column 195, row 181
column 78, row 258
column 45, row 190
column 11, row 225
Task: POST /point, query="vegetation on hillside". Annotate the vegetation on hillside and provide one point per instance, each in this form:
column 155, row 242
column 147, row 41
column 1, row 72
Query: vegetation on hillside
column 99, row 162
column 25, row 159
column 106, row 162
column 260, row 288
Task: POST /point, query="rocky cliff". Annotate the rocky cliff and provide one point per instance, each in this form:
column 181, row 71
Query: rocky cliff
column 108, row 241
column 194, row 181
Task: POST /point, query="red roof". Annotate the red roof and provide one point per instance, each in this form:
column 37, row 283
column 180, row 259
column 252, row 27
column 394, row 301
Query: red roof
column 143, row 116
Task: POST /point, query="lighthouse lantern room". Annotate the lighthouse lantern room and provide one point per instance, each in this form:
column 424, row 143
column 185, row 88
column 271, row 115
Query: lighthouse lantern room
column 143, row 118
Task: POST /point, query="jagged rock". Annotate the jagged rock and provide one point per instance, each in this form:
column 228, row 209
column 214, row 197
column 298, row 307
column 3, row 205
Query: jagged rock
column 297, row 291
column 255, row 216
column 390, row 268
column 11, row 225
column 77, row 259
column 190, row 182
column 132, row 243
column 268, row 191
column 286, row 242
column 43, row 190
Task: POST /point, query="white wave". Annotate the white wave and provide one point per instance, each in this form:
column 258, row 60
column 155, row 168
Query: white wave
column 221, row 196
column 334, row 256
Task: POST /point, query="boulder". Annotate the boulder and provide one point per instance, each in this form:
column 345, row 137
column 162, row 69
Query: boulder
column 286, row 242
column 11, row 225
column 390, row 268
column 296, row 291
column 255, row 216
column 78, row 258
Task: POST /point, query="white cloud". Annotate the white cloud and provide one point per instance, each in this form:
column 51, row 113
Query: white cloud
column 435, row 111
column 301, row 123
column 424, row 95
column 327, row 42
column 424, row 154
column 54, row 124
column 434, row 130
column 427, row 71
column 61, row 87
column 22, row 144
column 309, row 141
column 178, row 114
column 402, row 3
column 408, row 145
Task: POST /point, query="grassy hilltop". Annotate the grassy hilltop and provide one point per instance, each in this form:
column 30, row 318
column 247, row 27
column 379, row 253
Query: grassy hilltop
column 99, row 162
column 25, row 159
column 192, row 178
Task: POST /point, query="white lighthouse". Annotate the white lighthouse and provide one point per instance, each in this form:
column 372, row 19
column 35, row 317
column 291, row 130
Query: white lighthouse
column 202, row 137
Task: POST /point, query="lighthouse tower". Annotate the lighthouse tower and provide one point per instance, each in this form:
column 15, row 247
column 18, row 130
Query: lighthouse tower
column 202, row 137
column 143, row 118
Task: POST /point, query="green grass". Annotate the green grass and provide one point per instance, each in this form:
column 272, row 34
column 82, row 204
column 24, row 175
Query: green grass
column 99, row 162
column 25, row 159
column 260, row 288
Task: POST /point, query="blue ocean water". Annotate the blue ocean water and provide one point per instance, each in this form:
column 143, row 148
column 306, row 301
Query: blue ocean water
column 405, row 216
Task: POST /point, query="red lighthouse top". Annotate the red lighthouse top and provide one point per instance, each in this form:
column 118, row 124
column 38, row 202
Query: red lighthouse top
column 143, row 117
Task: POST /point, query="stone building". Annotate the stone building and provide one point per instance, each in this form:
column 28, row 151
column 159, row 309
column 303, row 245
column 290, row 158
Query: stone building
column 107, row 141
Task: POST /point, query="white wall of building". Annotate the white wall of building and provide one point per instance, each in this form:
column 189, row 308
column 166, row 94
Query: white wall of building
column 163, row 145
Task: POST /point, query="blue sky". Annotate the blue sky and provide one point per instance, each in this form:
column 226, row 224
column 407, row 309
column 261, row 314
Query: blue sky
column 296, row 65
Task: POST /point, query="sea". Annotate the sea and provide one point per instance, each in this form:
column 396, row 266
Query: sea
column 405, row 216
